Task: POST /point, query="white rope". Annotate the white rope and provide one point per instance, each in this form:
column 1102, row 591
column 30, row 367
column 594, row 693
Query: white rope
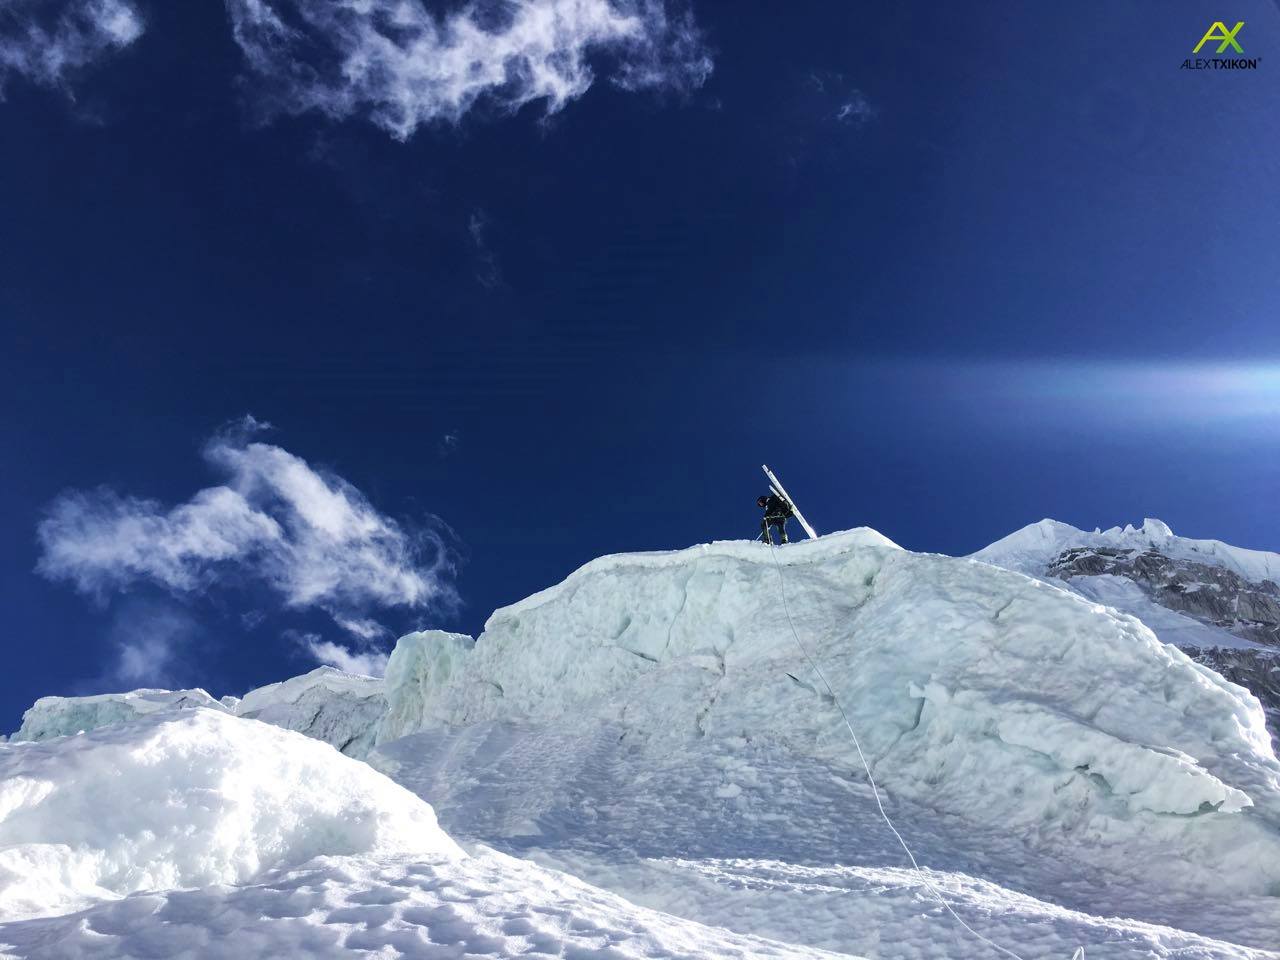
column 782, row 586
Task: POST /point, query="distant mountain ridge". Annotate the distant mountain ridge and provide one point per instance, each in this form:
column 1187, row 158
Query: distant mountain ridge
column 1029, row 549
column 1219, row 603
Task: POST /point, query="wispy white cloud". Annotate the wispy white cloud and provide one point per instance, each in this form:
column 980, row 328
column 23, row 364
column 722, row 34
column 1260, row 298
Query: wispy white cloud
column 46, row 41
column 101, row 541
column 370, row 663
column 363, row 628
column 307, row 534
column 400, row 65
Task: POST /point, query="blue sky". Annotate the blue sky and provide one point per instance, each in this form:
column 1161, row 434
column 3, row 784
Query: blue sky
column 319, row 329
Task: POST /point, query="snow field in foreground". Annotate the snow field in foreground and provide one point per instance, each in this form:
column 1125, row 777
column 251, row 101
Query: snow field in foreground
column 761, row 840
column 487, row 905
column 184, row 799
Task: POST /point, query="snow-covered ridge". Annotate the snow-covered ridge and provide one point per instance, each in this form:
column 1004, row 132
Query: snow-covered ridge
column 296, row 688
column 1032, row 548
column 826, row 547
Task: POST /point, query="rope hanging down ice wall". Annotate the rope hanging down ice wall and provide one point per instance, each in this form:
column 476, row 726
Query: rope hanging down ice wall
column 875, row 790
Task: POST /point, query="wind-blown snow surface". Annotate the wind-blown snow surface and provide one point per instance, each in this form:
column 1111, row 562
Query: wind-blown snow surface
column 760, row 840
column 184, row 799
column 195, row 834
column 487, row 905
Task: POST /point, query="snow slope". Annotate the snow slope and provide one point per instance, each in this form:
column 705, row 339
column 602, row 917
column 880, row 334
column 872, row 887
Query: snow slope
column 485, row 906
column 989, row 696
column 196, row 834
column 761, row 840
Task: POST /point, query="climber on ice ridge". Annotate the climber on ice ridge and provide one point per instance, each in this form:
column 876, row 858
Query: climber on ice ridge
column 777, row 511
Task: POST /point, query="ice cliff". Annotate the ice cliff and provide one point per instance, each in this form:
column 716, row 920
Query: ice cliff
column 58, row 716
column 339, row 708
column 991, row 696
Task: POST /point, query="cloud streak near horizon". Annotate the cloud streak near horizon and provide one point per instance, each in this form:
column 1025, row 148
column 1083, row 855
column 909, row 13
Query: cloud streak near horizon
column 46, row 41
column 400, row 66
column 308, row 535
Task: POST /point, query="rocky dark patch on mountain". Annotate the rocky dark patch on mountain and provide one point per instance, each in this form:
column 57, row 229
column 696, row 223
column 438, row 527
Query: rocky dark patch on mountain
column 1209, row 593
column 1258, row 671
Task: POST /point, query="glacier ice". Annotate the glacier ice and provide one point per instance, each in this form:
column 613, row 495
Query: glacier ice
column 342, row 709
column 420, row 663
column 339, row 708
column 988, row 695
column 59, row 716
